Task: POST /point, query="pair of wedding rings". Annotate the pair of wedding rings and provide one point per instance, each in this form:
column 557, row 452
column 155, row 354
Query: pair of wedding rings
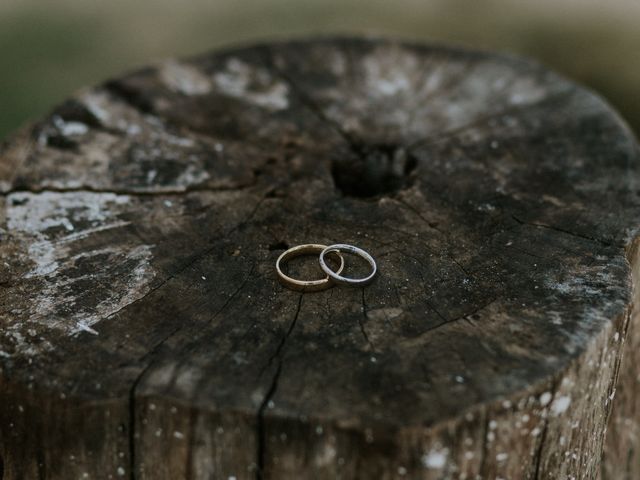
column 333, row 277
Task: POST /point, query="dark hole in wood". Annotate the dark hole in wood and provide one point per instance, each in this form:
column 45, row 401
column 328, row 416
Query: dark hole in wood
column 134, row 97
column 16, row 202
column 1, row 468
column 410, row 164
column 61, row 142
column 278, row 246
column 74, row 111
column 377, row 170
column 275, row 193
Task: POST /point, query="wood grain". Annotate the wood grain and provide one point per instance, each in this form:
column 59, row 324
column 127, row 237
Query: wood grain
column 143, row 331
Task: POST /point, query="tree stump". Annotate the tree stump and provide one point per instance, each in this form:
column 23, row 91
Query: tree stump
column 143, row 330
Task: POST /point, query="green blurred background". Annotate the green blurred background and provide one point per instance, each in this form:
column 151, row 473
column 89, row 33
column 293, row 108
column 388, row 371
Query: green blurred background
column 51, row 48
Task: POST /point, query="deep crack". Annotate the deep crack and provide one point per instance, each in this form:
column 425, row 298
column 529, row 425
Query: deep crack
column 362, row 320
column 485, row 449
column 566, row 232
column 260, row 433
column 132, row 420
column 138, row 379
column 445, row 135
column 543, row 434
column 260, row 427
column 131, row 191
column 307, row 102
column 140, row 376
column 191, row 261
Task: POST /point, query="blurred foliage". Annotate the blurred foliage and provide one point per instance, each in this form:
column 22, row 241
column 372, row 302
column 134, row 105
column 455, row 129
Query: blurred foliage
column 49, row 49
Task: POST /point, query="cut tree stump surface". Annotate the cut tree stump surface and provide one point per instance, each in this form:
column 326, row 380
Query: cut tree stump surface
column 143, row 330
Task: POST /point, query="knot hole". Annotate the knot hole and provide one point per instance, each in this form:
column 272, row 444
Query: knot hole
column 374, row 170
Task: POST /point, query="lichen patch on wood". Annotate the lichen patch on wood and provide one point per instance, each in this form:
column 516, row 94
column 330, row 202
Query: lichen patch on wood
column 68, row 259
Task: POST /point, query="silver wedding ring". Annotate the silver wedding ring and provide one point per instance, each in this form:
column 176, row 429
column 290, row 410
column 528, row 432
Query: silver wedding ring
column 340, row 279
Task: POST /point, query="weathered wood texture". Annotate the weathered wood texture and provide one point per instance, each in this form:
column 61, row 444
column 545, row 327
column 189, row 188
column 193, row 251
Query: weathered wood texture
column 144, row 333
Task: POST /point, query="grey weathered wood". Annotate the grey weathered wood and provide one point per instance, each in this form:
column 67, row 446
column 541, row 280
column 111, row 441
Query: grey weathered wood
column 143, row 332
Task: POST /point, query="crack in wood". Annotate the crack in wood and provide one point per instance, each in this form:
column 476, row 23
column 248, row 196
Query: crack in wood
column 446, row 135
column 311, row 105
column 134, row 192
column 447, row 321
column 543, row 434
column 151, row 354
column 137, row 380
column 567, row 232
column 260, row 420
column 196, row 258
column 484, row 449
column 362, row 320
column 431, row 225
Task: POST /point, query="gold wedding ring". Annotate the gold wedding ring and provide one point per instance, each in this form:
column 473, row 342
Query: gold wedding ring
column 305, row 285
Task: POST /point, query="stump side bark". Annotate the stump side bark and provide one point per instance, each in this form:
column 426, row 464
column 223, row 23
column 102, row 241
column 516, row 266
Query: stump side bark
column 622, row 447
column 143, row 332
